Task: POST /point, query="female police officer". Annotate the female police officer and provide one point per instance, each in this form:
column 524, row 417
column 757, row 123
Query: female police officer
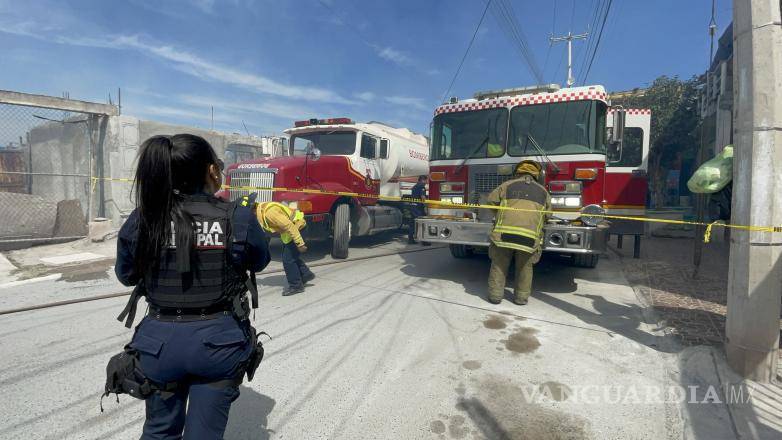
column 192, row 344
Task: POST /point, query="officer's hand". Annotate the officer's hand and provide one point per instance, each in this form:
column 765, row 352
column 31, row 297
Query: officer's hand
column 302, row 248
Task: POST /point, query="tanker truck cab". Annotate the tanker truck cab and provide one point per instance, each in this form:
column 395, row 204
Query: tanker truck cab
column 335, row 173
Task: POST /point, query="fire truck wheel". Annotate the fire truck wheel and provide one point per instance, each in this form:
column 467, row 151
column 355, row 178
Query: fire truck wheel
column 460, row 251
column 585, row 260
column 339, row 245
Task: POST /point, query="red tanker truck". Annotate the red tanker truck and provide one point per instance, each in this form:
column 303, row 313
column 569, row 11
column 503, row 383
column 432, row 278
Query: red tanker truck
column 338, row 155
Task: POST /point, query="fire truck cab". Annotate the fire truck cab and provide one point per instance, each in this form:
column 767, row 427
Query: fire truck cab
column 476, row 143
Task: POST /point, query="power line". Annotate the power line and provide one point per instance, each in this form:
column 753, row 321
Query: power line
column 591, row 28
column 553, row 31
column 466, row 52
column 506, row 18
column 597, row 44
column 523, row 40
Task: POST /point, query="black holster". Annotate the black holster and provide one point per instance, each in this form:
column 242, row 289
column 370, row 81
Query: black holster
column 124, row 376
column 257, row 354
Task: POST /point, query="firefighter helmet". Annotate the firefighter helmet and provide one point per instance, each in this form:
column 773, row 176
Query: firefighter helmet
column 528, row 167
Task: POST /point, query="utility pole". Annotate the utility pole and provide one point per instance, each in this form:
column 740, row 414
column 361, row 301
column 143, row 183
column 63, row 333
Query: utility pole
column 569, row 38
column 755, row 275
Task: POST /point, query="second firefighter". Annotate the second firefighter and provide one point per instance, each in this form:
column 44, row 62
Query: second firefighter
column 280, row 219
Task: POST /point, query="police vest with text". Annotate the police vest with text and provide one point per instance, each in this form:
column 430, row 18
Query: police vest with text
column 520, row 230
column 211, row 276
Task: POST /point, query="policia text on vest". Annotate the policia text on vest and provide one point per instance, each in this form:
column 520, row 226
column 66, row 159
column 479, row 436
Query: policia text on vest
column 517, row 234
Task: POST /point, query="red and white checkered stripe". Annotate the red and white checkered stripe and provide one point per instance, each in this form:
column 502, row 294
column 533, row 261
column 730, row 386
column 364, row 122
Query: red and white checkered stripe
column 538, row 98
column 635, row 111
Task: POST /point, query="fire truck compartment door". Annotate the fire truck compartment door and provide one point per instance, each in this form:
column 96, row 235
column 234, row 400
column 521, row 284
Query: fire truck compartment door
column 626, row 182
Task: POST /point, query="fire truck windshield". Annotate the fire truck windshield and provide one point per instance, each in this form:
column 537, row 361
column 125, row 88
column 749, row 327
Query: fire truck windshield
column 473, row 134
column 330, row 143
column 559, row 128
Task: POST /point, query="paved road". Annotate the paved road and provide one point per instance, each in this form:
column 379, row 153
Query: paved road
column 401, row 346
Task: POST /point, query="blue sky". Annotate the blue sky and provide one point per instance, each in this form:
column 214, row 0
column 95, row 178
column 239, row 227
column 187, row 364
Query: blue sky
column 267, row 63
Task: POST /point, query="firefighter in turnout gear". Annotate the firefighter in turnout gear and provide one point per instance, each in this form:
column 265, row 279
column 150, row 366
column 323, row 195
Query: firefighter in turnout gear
column 194, row 258
column 517, row 234
column 277, row 218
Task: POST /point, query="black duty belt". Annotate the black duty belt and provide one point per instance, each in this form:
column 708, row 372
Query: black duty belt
column 186, row 315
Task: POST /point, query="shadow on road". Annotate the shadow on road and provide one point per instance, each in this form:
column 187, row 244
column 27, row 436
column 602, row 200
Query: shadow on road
column 552, row 274
column 622, row 319
column 249, row 416
column 319, row 250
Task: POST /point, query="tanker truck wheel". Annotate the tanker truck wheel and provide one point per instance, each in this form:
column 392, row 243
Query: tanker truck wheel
column 339, row 244
column 585, row 260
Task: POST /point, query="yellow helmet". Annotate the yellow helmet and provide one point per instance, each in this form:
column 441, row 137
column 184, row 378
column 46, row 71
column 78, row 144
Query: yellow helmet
column 528, row 167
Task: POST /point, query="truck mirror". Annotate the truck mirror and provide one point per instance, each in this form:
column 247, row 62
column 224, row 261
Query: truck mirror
column 314, row 154
column 616, row 137
column 618, row 129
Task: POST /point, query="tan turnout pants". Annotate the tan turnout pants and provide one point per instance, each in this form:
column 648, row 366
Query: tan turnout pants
column 500, row 262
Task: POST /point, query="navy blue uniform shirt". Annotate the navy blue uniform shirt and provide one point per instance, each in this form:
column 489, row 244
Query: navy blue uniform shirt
column 257, row 254
column 418, row 191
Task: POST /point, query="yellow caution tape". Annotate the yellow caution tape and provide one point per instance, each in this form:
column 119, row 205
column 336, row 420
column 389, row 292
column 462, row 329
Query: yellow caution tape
column 451, row 205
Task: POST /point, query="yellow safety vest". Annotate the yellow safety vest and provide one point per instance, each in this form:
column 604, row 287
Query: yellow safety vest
column 496, row 150
column 293, row 215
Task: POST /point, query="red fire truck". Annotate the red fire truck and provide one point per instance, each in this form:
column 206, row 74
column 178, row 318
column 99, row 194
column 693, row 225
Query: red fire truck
column 338, row 155
column 588, row 167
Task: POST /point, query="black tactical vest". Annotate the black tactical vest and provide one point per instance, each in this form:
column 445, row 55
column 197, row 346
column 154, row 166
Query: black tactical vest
column 208, row 280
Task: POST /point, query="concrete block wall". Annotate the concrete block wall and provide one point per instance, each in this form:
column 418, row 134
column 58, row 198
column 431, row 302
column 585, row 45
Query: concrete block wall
column 124, row 136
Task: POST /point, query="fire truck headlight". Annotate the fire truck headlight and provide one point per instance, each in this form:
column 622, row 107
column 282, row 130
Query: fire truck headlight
column 591, row 215
column 566, row 202
column 458, row 200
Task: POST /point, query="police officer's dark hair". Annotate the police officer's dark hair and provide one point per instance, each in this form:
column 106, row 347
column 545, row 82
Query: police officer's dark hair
column 422, row 177
column 168, row 168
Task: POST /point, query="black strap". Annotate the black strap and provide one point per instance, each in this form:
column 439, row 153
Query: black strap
column 252, row 286
column 130, row 307
column 240, row 226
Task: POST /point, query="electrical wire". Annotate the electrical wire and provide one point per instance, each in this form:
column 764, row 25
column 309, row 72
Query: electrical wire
column 505, row 16
column 466, row 52
column 553, row 31
column 522, row 39
column 595, row 27
column 597, row 43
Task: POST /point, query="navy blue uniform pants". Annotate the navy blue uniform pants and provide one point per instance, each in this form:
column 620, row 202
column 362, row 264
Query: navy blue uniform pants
column 294, row 266
column 202, row 356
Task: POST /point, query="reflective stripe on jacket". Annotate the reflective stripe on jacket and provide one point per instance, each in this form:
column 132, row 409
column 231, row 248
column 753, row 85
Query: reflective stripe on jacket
column 275, row 217
column 520, row 230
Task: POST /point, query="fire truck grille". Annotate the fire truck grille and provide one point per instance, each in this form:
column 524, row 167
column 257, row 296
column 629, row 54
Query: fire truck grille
column 486, row 182
column 252, row 179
